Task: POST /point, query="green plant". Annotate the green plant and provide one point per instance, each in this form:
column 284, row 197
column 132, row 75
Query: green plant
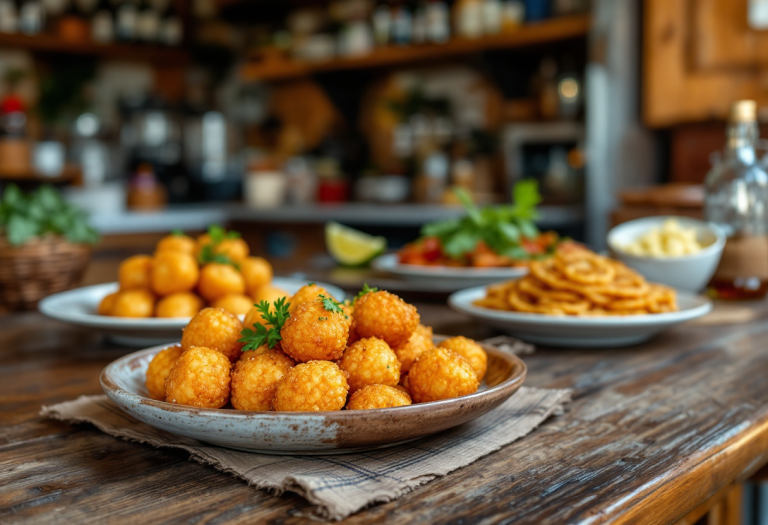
column 501, row 227
column 26, row 216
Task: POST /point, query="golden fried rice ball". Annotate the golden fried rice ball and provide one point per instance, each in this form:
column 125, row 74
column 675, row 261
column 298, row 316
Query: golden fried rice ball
column 267, row 293
column 420, row 342
column 134, row 303
column 158, row 370
column 182, row 304
column 386, row 316
column 256, row 272
column 235, row 303
column 174, row 272
column 214, row 328
column 262, row 349
column 236, row 249
column 218, row 280
column 306, row 294
column 108, row 304
column 134, row 272
column 254, row 381
column 370, row 361
column 312, row 386
column 253, row 317
column 469, row 350
column 177, row 243
column 349, row 310
column 441, row 374
column 312, row 332
column 378, row 396
column 200, row 378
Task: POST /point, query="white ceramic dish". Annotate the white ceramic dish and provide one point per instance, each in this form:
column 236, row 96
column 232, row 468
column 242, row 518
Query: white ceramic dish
column 580, row 332
column 446, row 275
column 78, row 307
column 691, row 272
column 308, row 432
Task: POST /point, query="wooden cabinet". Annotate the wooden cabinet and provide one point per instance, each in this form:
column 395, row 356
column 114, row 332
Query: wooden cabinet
column 699, row 57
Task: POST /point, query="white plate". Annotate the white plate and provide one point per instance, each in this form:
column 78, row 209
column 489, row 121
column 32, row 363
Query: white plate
column 78, row 307
column 339, row 432
column 459, row 277
column 580, row 332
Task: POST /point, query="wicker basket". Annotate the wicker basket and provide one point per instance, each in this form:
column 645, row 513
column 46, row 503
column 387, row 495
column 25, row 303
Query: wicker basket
column 39, row 268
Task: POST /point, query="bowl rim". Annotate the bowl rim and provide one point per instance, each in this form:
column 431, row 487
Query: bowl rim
column 704, row 253
column 505, row 388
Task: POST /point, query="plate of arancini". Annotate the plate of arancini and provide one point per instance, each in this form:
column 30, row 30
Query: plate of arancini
column 79, row 307
column 308, row 433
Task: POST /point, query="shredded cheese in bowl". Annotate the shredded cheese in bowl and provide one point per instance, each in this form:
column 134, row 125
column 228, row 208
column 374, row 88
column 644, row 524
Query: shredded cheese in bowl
column 669, row 240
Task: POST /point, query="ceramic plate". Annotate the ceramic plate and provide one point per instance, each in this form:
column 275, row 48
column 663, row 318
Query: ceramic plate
column 446, row 275
column 78, row 307
column 308, row 432
column 567, row 331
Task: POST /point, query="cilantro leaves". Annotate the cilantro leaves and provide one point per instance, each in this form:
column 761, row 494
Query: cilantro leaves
column 25, row 216
column 260, row 334
column 501, row 227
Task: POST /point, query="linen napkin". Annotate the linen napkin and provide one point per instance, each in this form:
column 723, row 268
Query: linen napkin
column 340, row 485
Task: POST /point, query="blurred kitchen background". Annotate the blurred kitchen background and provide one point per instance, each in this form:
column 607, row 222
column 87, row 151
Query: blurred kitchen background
column 275, row 116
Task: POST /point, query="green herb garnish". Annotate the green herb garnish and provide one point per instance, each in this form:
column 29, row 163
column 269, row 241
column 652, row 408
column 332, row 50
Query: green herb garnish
column 208, row 252
column 177, row 233
column 25, row 216
column 332, row 305
column 261, row 334
column 502, row 228
column 366, row 289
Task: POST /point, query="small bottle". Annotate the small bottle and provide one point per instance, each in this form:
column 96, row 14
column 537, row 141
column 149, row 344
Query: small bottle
column 438, row 22
column 31, row 17
column 148, row 23
column 737, row 201
column 9, row 17
column 171, row 27
column 126, row 21
column 103, row 24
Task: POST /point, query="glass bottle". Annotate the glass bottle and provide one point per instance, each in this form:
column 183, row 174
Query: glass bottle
column 737, row 201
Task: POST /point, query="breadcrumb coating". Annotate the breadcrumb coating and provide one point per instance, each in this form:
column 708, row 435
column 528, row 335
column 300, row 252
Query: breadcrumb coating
column 370, row 361
column 174, row 272
column 378, row 396
column 386, row 316
column 441, row 374
column 312, row 386
column 256, row 272
column 200, row 378
column 235, row 303
column 419, row 342
column 134, row 273
column 306, row 294
column 177, row 243
column 312, row 333
column 184, row 304
column 254, row 381
column 469, row 350
column 134, row 303
column 214, row 328
column 218, row 280
column 158, row 370
column 267, row 293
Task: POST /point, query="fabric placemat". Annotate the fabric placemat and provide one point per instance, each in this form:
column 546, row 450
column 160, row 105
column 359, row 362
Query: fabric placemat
column 340, row 485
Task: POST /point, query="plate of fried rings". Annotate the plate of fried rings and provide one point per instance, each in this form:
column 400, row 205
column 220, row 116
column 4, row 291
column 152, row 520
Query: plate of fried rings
column 308, row 433
column 580, row 299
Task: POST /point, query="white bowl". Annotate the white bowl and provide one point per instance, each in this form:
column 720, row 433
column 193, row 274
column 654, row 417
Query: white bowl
column 691, row 272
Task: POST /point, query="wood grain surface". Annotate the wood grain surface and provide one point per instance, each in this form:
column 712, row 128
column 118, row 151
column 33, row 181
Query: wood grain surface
column 654, row 432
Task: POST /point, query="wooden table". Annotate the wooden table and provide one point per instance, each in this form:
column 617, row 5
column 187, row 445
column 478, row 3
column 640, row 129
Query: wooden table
column 654, row 432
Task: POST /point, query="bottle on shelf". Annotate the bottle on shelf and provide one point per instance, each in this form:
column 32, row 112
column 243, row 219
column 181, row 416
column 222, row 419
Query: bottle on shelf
column 103, row 23
column 438, row 22
column 31, row 17
column 72, row 25
column 148, row 23
column 52, row 11
column 9, row 17
column 382, row 24
column 402, row 24
column 737, row 201
column 171, row 27
column 126, row 21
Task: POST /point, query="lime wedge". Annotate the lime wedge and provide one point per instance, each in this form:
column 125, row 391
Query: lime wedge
column 351, row 247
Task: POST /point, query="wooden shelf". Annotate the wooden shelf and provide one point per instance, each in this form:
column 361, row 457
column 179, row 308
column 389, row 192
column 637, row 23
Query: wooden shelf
column 552, row 30
column 71, row 173
column 44, row 43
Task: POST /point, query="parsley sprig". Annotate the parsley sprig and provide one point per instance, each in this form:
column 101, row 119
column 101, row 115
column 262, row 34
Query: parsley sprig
column 501, row 227
column 209, row 253
column 261, row 334
column 366, row 289
column 332, row 305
